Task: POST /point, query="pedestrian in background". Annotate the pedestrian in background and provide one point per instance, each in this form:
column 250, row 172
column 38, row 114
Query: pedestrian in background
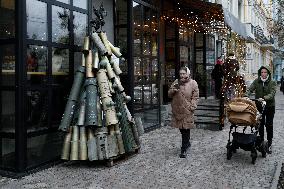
column 265, row 89
column 217, row 75
column 185, row 94
column 230, row 68
column 282, row 84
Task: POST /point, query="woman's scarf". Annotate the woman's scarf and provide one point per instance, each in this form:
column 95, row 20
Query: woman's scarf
column 188, row 76
column 264, row 80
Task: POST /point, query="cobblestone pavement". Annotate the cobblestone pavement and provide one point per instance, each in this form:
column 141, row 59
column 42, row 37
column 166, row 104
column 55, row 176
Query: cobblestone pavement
column 158, row 165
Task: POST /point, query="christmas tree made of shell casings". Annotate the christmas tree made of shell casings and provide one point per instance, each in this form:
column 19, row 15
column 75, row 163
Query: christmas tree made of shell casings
column 97, row 121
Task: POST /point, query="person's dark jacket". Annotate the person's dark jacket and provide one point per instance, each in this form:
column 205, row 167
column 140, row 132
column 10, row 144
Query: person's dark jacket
column 265, row 90
column 217, row 73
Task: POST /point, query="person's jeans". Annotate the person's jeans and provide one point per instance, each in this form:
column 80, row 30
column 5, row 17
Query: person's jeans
column 185, row 136
column 267, row 121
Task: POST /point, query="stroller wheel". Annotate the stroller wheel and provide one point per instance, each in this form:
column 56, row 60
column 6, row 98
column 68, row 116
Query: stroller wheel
column 264, row 149
column 253, row 156
column 263, row 154
column 229, row 152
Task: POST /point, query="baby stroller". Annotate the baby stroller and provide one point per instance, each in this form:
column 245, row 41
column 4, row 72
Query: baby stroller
column 243, row 114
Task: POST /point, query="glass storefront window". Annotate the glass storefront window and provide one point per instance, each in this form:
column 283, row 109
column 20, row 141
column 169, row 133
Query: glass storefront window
column 36, row 20
column 8, row 111
column 64, row 1
column 43, row 148
column 60, row 65
column 155, row 70
column 77, row 60
column 60, row 25
column 80, row 3
column 36, row 64
column 122, row 39
column 36, row 109
column 137, row 70
column 7, row 158
column 7, row 60
column 80, row 28
column 59, row 99
column 146, row 68
column 7, row 19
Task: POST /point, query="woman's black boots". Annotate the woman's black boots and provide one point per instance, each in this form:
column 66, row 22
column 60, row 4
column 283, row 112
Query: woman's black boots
column 185, row 135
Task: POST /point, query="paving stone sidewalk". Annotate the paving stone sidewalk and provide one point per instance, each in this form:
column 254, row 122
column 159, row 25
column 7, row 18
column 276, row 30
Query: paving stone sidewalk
column 158, row 165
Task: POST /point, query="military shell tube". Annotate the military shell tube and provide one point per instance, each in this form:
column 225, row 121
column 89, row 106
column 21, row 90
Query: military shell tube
column 103, row 83
column 103, row 37
column 119, row 139
column 117, row 84
column 99, row 112
column 125, row 127
column 72, row 100
column 92, row 146
column 116, row 68
column 86, row 45
column 83, row 155
column 105, row 64
column 96, row 59
column 99, row 44
column 102, row 144
column 109, row 109
column 81, row 117
column 75, row 144
column 115, row 50
column 66, row 146
column 91, row 118
column 89, row 65
column 83, row 61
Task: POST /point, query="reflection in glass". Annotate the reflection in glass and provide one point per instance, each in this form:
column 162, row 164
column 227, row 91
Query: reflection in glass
column 36, row 109
column 8, row 111
column 60, row 61
column 77, row 60
column 138, row 27
column 146, row 70
column 60, row 25
column 80, row 3
column 64, row 1
column 36, row 64
column 138, row 97
column 121, row 7
column 8, row 155
column 146, row 45
column 137, row 69
column 60, row 65
column 80, row 27
column 36, row 20
column 148, row 117
column 7, row 60
column 155, row 70
column 122, row 40
column 43, row 148
column 59, row 99
column 7, row 19
column 147, row 94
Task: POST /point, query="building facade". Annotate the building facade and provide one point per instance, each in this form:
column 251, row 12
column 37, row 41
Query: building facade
column 40, row 48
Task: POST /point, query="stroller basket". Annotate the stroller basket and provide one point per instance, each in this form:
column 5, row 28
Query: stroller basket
column 243, row 138
column 242, row 112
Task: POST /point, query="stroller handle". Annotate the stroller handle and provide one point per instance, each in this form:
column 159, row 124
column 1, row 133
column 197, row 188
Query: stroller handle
column 261, row 100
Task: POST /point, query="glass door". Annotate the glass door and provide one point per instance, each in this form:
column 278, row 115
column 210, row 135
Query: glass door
column 146, row 67
column 7, row 84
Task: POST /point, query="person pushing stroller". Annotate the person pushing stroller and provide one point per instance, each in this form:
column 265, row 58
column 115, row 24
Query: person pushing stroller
column 265, row 89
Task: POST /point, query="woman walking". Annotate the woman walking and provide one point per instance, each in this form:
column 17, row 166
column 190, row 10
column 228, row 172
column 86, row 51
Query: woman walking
column 185, row 94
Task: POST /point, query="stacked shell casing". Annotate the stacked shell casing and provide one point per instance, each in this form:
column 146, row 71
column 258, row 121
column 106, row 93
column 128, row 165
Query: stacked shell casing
column 96, row 120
